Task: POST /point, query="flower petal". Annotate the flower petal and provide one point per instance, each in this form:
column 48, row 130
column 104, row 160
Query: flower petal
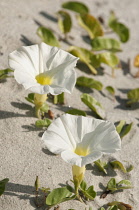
column 74, row 159
column 54, row 57
column 89, row 136
column 104, row 138
column 28, row 62
column 58, row 138
column 25, row 59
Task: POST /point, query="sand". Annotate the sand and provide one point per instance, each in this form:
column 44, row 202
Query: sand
column 21, row 151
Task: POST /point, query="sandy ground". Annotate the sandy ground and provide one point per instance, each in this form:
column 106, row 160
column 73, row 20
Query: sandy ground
column 21, row 153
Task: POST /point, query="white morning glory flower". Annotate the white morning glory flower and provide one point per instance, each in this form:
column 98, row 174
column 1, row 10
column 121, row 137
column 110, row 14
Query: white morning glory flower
column 81, row 140
column 44, row 69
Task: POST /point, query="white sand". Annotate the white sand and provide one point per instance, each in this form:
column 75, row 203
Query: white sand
column 22, row 156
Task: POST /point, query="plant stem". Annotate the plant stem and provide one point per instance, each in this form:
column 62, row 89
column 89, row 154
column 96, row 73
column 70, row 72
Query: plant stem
column 37, row 112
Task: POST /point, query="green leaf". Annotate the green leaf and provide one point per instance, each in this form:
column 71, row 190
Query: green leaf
column 118, row 165
column 90, row 193
column 101, row 165
column 124, row 184
column 102, row 208
column 112, row 185
column 43, row 123
column 83, row 185
column 133, row 96
column 30, row 98
column 89, row 82
column 125, row 130
column 130, row 168
column 111, row 90
column 44, row 108
column 64, row 21
column 113, row 208
column 119, row 127
column 109, row 59
column 120, row 205
column 86, row 57
column 2, row 185
column 4, row 73
column 119, row 28
column 91, row 25
column 47, row 36
column 75, row 6
column 101, row 43
column 59, row 99
column 93, row 104
column 76, row 112
column 70, row 188
column 57, row 196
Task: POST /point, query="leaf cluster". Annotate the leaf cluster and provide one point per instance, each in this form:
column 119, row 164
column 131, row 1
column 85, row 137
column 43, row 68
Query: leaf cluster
column 93, row 27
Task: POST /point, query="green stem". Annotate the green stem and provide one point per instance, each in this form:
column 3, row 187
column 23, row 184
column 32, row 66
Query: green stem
column 37, row 112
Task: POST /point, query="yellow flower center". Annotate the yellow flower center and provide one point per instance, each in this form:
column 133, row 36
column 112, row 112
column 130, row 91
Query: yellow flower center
column 43, row 79
column 81, row 151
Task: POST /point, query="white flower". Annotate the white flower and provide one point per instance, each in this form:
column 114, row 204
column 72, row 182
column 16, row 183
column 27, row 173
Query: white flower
column 81, row 140
column 44, row 69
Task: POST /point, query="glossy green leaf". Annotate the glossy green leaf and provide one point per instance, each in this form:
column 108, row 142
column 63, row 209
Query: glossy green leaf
column 45, row 108
column 70, row 188
column 89, row 82
column 119, row 28
column 119, row 127
column 124, row 184
column 129, row 168
column 102, row 43
column 91, row 25
column 133, row 96
column 125, row 130
column 90, row 193
column 111, row 90
column 101, row 165
column 118, row 165
column 102, row 208
column 57, row 196
column 86, row 57
column 4, row 73
column 43, row 123
column 3, row 185
column 112, row 185
column 109, row 59
column 30, row 98
column 83, row 185
column 93, row 104
column 76, row 112
column 75, row 6
column 59, row 99
column 113, row 208
column 47, row 36
column 64, row 21
column 120, row 205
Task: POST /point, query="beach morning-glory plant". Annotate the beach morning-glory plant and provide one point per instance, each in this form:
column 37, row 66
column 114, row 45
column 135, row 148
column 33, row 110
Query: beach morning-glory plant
column 80, row 141
column 43, row 69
